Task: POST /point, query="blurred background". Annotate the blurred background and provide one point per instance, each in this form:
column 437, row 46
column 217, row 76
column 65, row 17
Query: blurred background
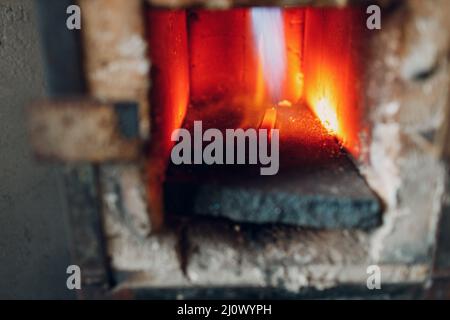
column 34, row 251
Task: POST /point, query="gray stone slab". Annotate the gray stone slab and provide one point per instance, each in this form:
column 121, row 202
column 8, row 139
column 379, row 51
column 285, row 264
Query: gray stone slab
column 332, row 196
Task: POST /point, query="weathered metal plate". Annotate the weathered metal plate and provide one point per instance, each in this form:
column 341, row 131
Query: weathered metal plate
column 84, row 131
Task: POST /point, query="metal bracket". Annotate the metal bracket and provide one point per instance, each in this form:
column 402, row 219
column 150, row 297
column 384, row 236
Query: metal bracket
column 74, row 131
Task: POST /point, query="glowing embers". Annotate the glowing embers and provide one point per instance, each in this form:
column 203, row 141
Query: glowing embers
column 327, row 114
column 303, row 140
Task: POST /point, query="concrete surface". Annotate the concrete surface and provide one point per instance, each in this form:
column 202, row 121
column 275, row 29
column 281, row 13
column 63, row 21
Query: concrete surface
column 33, row 230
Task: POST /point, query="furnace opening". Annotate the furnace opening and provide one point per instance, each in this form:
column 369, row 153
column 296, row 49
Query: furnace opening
column 297, row 70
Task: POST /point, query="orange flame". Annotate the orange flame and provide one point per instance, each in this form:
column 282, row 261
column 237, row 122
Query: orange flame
column 270, row 117
column 227, row 67
column 326, row 113
column 333, row 71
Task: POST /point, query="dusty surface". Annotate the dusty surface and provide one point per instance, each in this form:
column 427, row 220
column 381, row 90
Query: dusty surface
column 33, row 242
column 211, row 254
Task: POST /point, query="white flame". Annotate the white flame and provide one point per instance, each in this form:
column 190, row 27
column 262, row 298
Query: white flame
column 268, row 33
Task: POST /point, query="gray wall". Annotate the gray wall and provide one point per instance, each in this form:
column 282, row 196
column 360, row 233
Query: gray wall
column 33, row 230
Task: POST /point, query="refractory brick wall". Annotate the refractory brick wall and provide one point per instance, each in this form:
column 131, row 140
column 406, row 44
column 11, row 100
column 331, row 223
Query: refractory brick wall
column 406, row 99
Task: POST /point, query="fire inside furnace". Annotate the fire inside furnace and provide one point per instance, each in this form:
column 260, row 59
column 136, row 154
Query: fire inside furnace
column 297, row 70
